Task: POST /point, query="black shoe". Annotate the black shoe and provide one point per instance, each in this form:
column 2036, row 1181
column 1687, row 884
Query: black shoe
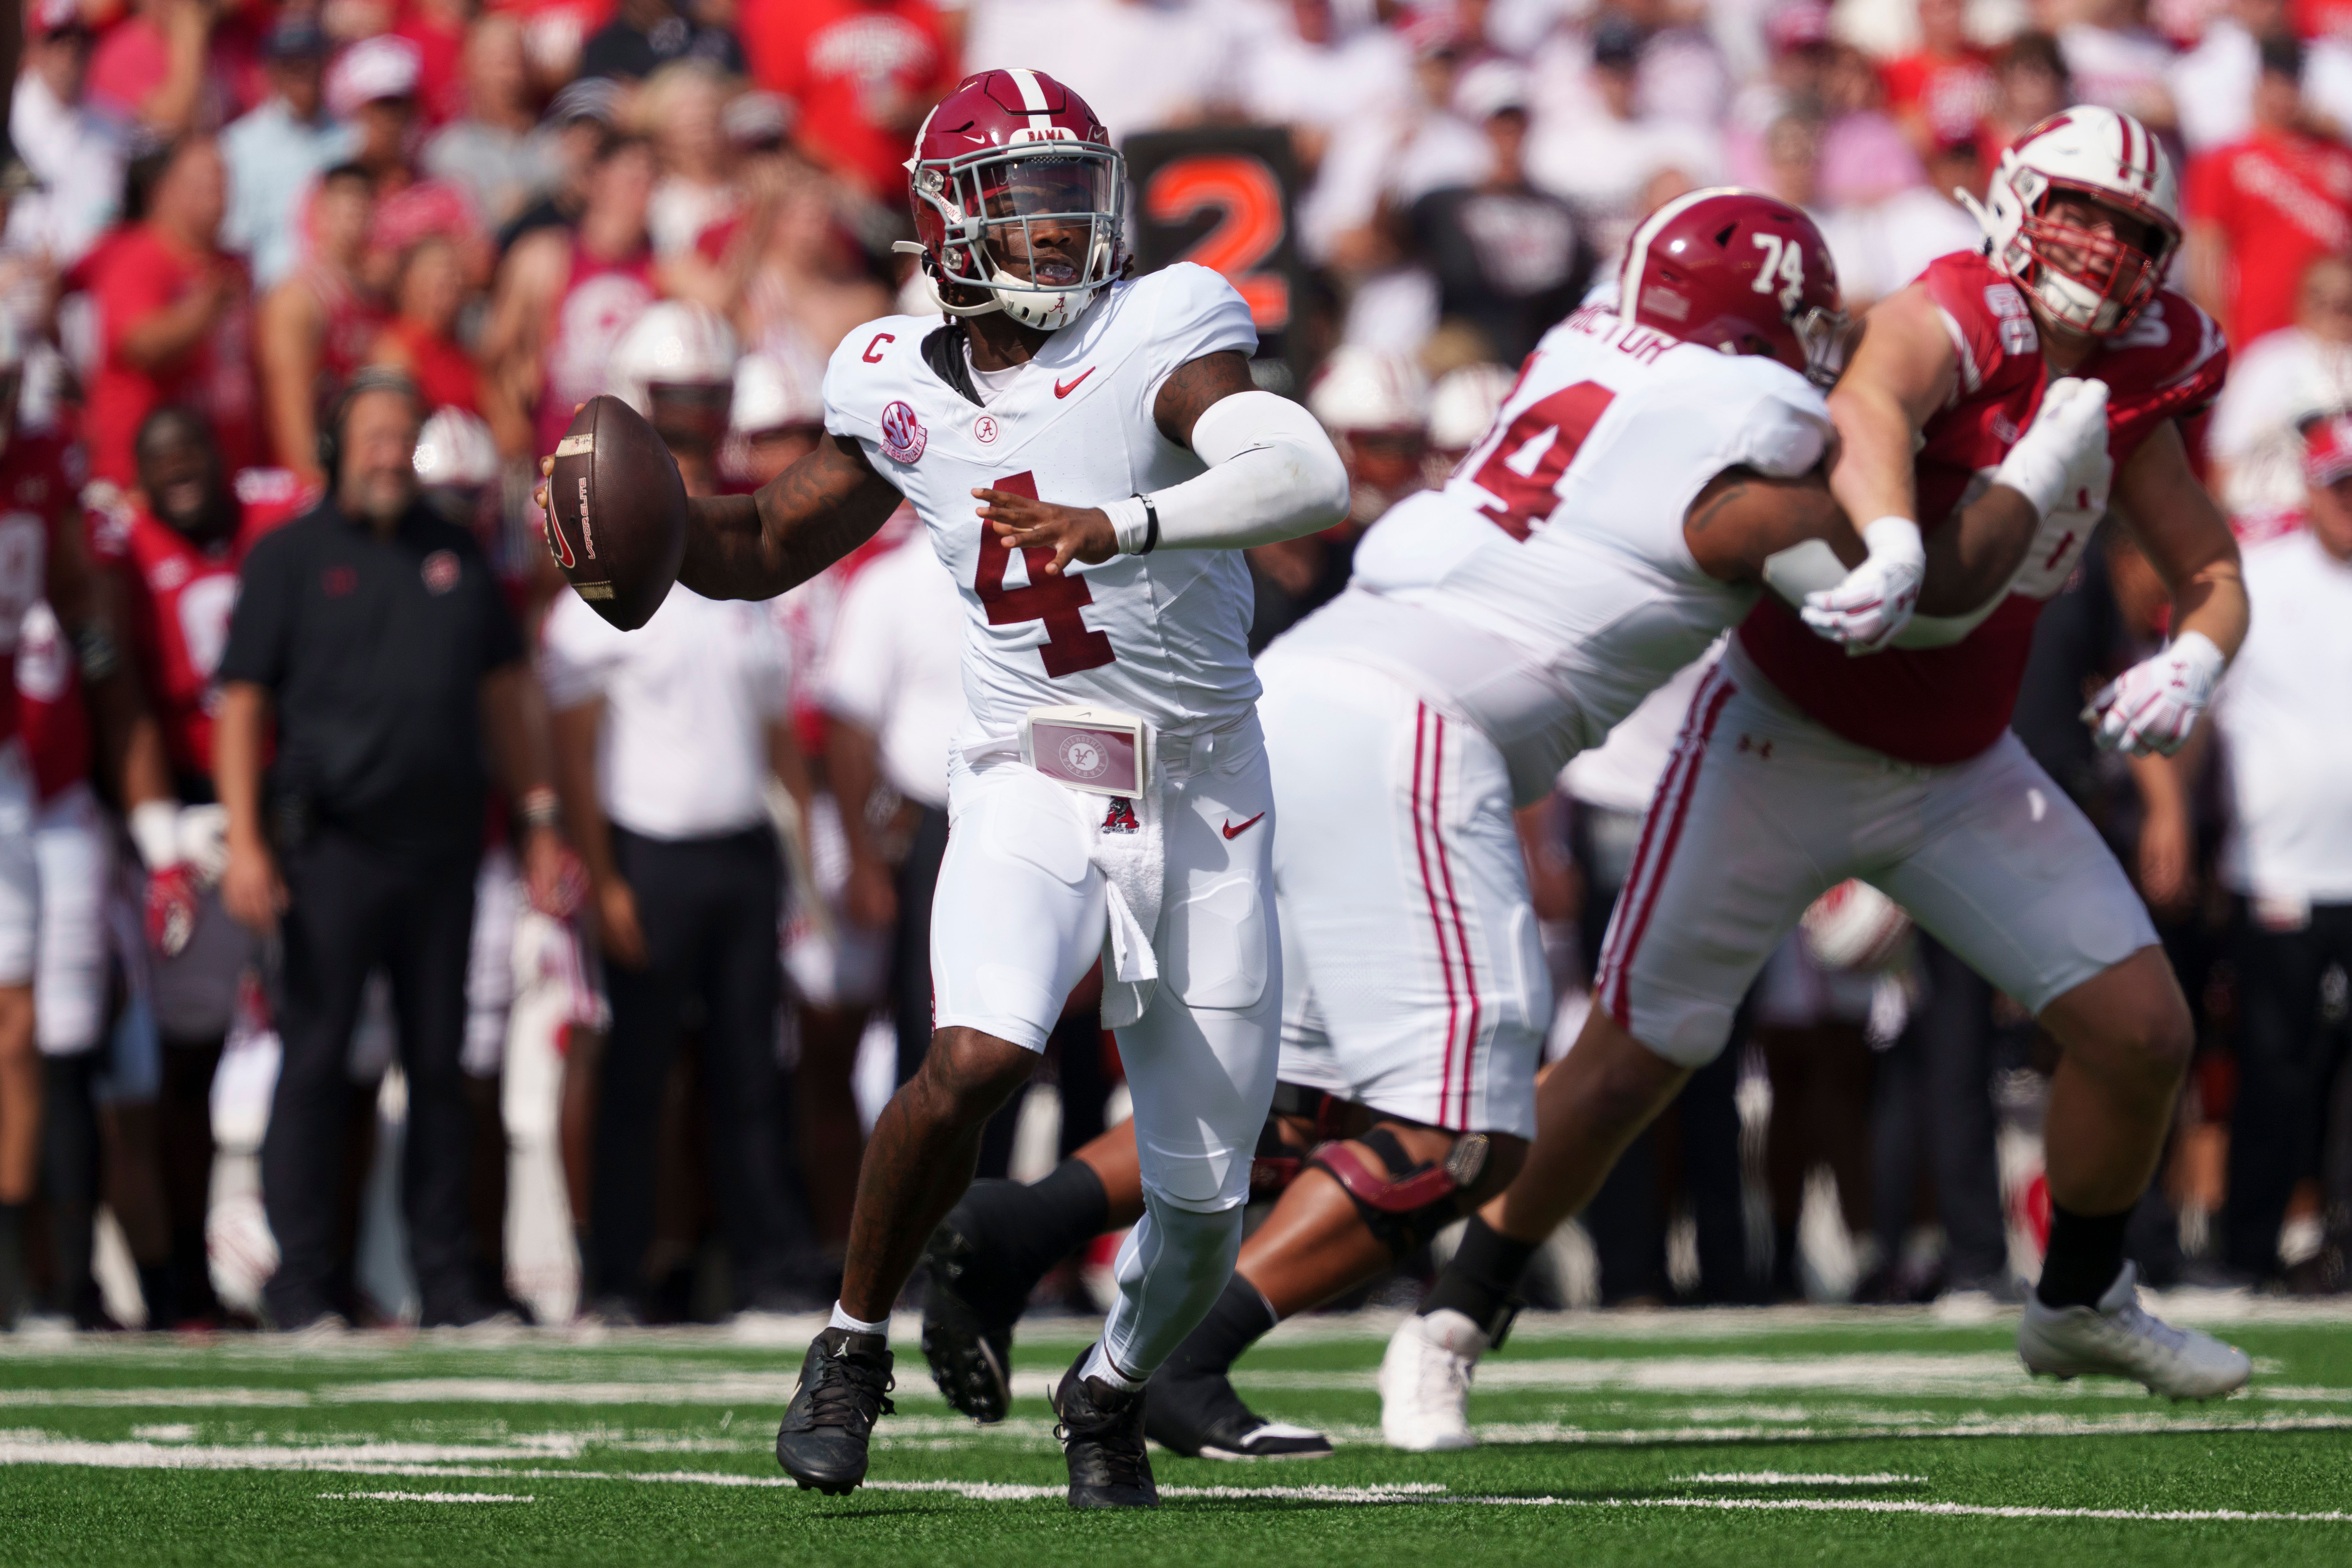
column 1203, row 1417
column 844, row 1387
column 968, row 1318
column 1101, row 1432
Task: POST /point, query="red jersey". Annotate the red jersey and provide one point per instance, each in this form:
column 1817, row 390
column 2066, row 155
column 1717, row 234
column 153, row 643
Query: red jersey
column 1945, row 705
column 1950, row 95
column 40, row 475
column 601, row 300
column 2282, row 200
column 134, row 277
column 177, row 595
column 848, row 64
column 54, row 720
column 443, row 372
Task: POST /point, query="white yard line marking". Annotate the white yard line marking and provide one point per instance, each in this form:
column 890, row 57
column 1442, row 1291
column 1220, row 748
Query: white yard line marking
column 425, row 1496
column 393, row 1459
column 1797, row 1478
column 1874, row 1505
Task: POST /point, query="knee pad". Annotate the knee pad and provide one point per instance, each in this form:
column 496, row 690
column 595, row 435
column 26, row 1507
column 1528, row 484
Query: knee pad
column 1277, row 1162
column 1405, row 1209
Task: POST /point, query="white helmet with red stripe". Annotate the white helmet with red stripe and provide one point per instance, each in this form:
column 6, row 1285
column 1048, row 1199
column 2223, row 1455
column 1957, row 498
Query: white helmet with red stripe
column 2091, row 281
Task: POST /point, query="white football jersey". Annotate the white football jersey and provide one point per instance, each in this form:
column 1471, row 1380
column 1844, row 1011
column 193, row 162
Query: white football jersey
column 1163, row 635
column 1548, row 588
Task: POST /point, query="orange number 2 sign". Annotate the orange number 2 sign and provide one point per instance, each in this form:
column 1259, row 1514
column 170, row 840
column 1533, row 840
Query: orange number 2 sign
column 1248, row 200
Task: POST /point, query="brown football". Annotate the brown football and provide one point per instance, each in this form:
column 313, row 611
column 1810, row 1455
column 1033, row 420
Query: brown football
column 616, row 512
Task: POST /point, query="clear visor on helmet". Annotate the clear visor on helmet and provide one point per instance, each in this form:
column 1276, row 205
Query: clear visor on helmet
column 1827, row 337
column 1045, row 221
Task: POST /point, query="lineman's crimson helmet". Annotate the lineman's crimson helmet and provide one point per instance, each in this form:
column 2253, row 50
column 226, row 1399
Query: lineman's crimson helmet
column 1008, row 158
column 1740, row 271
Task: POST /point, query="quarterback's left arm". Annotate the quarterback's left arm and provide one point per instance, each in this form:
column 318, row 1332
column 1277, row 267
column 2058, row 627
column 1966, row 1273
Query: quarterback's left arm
column 1273, row 475
column 2154, row 705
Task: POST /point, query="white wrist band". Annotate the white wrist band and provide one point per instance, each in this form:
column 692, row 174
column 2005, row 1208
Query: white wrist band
column 1894, row 536
column 155, row 827
column 1130, row 524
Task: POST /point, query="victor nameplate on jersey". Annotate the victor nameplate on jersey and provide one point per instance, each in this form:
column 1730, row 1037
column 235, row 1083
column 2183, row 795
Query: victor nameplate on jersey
column 1095, row 749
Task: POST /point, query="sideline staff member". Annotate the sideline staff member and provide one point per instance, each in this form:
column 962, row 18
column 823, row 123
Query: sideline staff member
column 373, row 632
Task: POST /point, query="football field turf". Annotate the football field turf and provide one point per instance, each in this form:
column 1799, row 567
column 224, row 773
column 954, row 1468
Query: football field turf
column 1732, row 1438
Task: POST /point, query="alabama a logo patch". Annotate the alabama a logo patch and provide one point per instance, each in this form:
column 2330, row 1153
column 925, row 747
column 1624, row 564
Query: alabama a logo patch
column 440, row 572
column 1120, row 818
column 903, row 435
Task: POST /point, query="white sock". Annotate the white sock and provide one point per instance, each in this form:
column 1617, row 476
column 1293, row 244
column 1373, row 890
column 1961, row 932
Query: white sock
column 842, row 1320
column 1099, row 1365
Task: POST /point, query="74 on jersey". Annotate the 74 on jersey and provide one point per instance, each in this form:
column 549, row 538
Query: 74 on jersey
column 1525, row 465
column 1070, row 645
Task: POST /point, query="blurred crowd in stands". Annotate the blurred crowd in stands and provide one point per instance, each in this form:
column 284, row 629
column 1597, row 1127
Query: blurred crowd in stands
column 219, row 212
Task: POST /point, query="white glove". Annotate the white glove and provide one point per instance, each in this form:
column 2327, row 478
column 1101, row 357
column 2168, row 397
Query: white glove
column 1876, row 598
column 2154, row 705
column 203, row 841
column 2061, row 458
column 155, row 827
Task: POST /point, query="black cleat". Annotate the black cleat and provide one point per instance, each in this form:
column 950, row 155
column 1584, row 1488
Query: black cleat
column 844, row 1387
column 1101, row 1431
column 968, row 1318
column 1202, row 1418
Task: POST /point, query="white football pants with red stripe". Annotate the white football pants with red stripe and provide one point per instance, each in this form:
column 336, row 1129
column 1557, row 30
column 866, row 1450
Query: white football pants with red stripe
column 1762, row 810
column 1413, row 979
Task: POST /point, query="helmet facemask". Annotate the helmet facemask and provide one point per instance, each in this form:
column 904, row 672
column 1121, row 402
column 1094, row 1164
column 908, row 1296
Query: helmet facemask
column 2092, row 282
column 1034, row 227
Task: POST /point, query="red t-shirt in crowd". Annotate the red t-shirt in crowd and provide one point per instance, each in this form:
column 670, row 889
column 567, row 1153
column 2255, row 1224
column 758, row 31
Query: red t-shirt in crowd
column 440, row 64
column 130, row 278
column 1951, row 94
column 443, row 371
column 176, row 597
column 2282, row 199
column 839, row 60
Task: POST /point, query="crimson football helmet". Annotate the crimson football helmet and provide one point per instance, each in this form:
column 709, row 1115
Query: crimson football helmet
column 1740, row 271
column 1016, row 192
column 2092, row 282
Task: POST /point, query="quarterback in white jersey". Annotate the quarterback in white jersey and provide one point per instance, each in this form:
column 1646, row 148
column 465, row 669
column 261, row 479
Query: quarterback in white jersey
column 1088, row 454
column 1657, row 457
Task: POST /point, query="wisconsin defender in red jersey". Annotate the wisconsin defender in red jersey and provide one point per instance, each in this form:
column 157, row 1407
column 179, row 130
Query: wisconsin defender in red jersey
column 42, row 556
column 1796, row 771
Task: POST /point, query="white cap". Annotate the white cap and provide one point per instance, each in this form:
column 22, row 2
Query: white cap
column 674, row 342
column 373, row 68
column 773, row 393
column 1370, row 389
column 1489, row 87
column 1465, row 403
column 454, row 448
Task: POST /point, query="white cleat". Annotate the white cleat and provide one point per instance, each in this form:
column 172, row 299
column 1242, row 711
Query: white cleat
column 2116, row 1339
column 1425, row 1383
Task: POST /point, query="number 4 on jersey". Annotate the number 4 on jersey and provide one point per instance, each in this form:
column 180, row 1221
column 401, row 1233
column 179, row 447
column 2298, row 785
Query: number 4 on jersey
column 1069, row 646
column 1525, row 465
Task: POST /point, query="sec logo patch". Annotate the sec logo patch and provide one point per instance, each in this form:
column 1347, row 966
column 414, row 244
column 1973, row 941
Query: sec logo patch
column 903, row 435
column 440, row 572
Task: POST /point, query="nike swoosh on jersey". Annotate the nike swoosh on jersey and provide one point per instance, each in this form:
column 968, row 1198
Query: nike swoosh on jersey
column 1235, row 830
column 1062, row 391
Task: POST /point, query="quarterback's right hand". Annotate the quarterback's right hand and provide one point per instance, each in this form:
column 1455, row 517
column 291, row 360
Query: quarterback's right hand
column 2062, row 459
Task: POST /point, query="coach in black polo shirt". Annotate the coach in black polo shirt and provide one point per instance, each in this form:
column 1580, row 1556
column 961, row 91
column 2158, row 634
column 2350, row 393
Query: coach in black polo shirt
column 373, row 633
